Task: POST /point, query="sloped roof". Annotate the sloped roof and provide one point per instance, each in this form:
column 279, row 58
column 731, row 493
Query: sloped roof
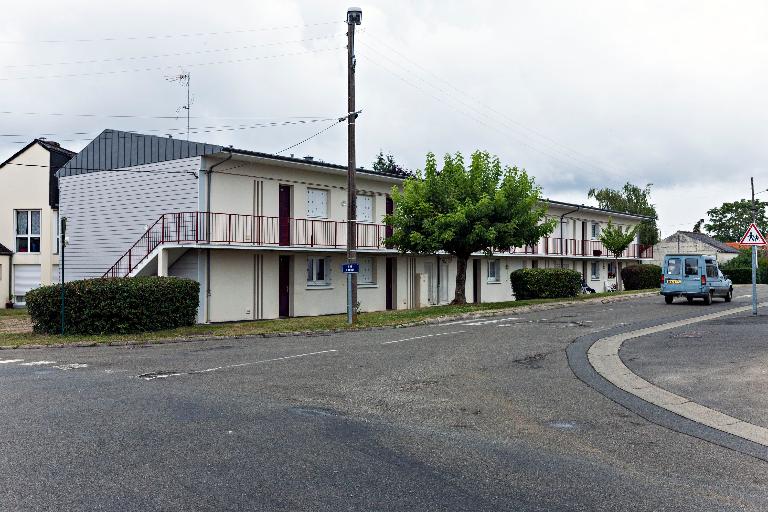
column 705, row 239
column 50, row 145
column 4, row 251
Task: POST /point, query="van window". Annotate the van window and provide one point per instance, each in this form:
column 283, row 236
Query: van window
column 712, row 271
column 691, row 266
column 673, row 266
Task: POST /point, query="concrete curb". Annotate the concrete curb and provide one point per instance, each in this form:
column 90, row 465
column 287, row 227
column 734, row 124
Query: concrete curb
column 595, row 360
column 431, row 321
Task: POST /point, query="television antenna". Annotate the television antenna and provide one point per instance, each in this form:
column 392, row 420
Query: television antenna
column 183, row 78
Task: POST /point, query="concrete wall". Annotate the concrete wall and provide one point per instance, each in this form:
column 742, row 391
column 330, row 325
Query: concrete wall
column 244, row 285
column 688, row 245
column 5, row 277
column 109, row 211
column 26, row 187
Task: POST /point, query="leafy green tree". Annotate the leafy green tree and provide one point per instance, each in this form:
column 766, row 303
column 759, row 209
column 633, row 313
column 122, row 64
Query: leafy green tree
column 616, row 240
column 729, row 222
column 462, row 210
column 386, row 164
column 697, row 226
column 631, row 199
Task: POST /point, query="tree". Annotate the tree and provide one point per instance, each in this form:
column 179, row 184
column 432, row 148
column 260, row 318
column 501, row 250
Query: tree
column 631, row 199
column 462, row 210
column 616, row 240
column 729, row 222
column 386, row 164
column 697, row 226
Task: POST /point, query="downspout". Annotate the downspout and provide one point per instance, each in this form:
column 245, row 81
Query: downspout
column 209, row 180
column 562, row 247
column 10, row 277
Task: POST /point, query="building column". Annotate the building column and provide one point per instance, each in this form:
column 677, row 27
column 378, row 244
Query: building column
column 162, row 262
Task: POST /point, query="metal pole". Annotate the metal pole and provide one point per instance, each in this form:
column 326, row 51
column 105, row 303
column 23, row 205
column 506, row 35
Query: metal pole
column 63, row 246
column 353, row 18
column 754, row 252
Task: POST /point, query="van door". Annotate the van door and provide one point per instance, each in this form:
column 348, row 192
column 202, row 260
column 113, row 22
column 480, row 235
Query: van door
column 691, row 274
column 673, row 274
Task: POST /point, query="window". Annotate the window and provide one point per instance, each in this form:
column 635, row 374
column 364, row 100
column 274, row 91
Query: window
column 318, row 271
column 317, row 203
column 534, row 263
column 27, row 230
column 364, row 209
column 712, row 271
column 691, row 266
column 595, row 271
column 611, row 269
column 595, row 231
column 494, row 271
column 367, row 273
column 673, row 266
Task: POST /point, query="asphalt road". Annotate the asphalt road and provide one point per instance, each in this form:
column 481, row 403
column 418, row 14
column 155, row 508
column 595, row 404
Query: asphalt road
column 478, row 415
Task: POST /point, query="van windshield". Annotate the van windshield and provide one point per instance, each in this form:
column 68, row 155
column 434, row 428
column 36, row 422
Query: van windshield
column 673, row 266
column 691, row 266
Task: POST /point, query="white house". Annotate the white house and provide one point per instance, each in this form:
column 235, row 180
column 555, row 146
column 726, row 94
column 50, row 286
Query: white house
column 265, row 235
column 29, row 203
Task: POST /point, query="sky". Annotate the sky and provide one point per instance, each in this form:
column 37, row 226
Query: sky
column 580, row 94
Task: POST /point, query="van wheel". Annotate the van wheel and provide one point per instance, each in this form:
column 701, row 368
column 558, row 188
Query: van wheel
column 708, row 299
column 668, row 299
column 729, row 296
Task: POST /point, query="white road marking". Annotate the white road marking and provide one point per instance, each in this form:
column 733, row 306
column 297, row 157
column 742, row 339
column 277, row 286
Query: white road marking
column 8, row 361
column 37, row 363
column 207, row 370
column 421, row 337
column 479, row 321
column 494, row 321
column 743, row 296
column 71, row 366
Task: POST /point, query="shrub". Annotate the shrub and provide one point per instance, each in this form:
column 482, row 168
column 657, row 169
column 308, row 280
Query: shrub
column 743, row 275
column 115, row 306
column 545, row 283
column 640, row 277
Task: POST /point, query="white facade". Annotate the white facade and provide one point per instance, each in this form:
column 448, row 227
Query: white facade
column 29, row 220
column 274, row 240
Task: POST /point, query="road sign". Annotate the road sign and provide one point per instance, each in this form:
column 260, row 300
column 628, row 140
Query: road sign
column 350, row 268
column 753, row 236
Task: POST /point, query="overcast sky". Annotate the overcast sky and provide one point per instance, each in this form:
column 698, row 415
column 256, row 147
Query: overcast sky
column 582, row 94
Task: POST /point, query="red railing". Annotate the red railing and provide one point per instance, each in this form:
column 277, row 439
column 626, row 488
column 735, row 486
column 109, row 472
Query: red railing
column 231, row 228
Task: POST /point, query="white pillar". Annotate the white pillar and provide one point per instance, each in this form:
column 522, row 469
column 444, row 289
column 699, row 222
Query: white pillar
column 162, row 263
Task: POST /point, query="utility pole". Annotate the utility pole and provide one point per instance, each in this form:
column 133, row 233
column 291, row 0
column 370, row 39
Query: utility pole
column 63, row 242
column 754, row 252
column 354, row 17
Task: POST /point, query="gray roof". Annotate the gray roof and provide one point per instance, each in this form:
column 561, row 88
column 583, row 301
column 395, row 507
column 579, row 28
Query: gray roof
column 114, row 149
column 706, row 239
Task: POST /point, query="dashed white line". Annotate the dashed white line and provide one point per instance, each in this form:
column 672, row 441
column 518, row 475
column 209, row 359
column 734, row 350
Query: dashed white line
column 37, row 363
column 421, row 337
column 494, row 321
column 71, row 366
column 208, row 370
column 8, row 361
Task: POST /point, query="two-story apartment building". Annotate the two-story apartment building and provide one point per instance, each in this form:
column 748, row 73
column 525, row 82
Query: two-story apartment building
column 265, row 235
column 29, row 202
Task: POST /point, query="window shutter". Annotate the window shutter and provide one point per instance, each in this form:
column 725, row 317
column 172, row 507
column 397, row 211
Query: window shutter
column 364, row 208
column 317, row 203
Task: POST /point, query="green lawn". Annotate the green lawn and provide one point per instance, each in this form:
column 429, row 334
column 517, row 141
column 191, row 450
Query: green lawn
column 301, row 324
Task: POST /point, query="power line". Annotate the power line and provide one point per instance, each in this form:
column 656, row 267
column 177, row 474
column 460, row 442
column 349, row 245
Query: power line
column 340, row 120
column 178, row 54
column 138, row 116
column 174, row 66
column 171, row 36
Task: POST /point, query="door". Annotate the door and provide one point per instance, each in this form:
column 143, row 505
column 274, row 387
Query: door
column 476, row 281
column 390, row 283
column 284, row 285
column 284, row 212
column 429, row 269
column 443, row 281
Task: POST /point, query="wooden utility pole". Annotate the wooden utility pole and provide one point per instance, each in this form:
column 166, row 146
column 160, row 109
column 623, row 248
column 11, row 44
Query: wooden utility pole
column 354, row 17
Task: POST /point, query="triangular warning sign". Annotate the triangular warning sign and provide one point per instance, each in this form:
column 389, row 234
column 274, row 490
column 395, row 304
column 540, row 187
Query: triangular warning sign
column 752, row 236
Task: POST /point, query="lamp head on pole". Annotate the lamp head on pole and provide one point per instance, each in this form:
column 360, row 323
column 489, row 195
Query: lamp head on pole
column 354, row 15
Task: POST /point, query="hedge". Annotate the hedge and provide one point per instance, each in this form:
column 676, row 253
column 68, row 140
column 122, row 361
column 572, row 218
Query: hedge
column 640, row 277
column 545, row 283
column 115, row 306
column 744, row 275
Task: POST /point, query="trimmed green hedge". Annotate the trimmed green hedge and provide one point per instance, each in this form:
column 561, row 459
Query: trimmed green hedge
column 545, row 283
column 115, row 306
column 744, row 275
column 640, row 277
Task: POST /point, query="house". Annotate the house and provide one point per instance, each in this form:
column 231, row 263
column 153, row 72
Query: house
column 695, row 243
column 265, row 235
column 29, row 219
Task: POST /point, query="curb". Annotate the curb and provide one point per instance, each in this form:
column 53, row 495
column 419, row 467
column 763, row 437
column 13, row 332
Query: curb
column 431, row 321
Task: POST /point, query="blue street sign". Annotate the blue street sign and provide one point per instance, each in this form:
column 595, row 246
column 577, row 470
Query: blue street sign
column 350, row 268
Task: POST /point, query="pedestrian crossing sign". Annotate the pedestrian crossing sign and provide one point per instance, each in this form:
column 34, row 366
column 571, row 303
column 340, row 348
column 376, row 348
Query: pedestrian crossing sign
column 753, row 236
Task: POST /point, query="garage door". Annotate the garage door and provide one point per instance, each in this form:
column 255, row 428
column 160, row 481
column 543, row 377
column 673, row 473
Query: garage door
column 25, row 278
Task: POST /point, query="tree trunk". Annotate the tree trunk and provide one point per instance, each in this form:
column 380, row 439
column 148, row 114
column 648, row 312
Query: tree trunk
column 460, row 297
column 618, row 276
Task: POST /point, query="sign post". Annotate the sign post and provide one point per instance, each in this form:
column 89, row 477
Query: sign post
column 350, row 269
column 754, row 238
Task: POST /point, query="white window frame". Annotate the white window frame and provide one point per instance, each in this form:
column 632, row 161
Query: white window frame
column 595, row 233
column 595, row 265
column 314, row 264
column 493, row 271
column 29, row 236
column 327, row 194
column 367, row 276
column 611, row 270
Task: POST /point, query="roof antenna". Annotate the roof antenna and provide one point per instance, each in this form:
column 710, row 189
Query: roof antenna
column 183, row 78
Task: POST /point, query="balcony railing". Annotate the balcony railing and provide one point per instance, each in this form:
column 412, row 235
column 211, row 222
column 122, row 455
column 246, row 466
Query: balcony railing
column 186, row 228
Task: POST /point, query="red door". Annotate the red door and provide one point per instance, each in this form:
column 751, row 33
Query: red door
column 284, row 212
column 284, row 285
